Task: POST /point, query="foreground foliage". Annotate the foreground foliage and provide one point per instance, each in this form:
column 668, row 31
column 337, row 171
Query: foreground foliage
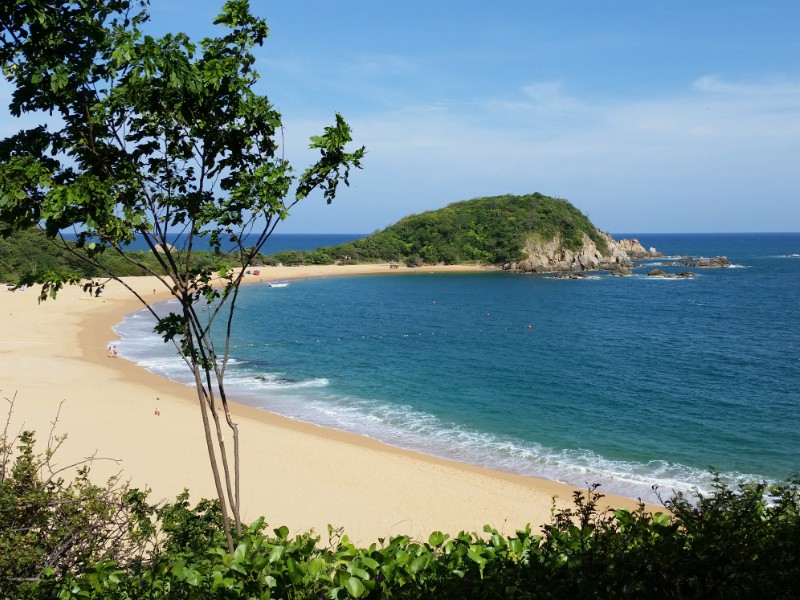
column 77, row 540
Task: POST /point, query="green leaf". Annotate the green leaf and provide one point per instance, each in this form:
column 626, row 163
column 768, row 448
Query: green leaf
column 282, row 532
column 276, row 554
column 370, row 563
column 192, row 577
column 316, row 566
column 354, row 587
column 420, row 563
column 437, row 538
column 662, row 519
column 240, row 553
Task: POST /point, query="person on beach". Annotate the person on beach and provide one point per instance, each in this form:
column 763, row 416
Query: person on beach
column 114, row 350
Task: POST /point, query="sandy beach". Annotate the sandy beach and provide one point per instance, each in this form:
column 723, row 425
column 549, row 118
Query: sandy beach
column 54, row 354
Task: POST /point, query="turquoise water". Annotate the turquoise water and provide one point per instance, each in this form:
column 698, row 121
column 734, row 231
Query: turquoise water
column 629, row 382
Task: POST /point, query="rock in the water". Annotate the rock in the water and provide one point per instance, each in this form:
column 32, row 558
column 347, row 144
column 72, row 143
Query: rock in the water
column 718, row 262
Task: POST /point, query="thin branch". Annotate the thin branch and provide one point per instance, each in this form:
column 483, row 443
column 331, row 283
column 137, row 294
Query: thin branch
column 85, row 461
column 6, row 445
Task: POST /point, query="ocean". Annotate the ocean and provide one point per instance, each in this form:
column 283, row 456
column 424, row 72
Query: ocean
column 639, row 384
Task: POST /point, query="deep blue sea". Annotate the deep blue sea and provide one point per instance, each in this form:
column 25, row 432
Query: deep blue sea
column 629, row 382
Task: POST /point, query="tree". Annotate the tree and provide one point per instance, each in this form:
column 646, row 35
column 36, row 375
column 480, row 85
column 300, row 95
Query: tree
column 150, row 137
column 51, row 525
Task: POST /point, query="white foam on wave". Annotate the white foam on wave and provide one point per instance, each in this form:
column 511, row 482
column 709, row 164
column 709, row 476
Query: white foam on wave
column 404, row 427
column 140, row 344
column 578, row 278
column 666, row 278
column 253, row 382
column 318, row 382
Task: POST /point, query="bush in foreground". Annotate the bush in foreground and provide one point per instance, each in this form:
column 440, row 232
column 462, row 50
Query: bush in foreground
column 733, row 543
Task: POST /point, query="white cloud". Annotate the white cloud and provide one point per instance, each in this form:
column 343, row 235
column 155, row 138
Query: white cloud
column 549, row 95
column 778, row 91
column 691, row 161
column 713, row 156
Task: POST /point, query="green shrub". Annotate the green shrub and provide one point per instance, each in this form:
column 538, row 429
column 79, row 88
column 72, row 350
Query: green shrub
column 731, row 544
column 78, row 540
column 53, row 529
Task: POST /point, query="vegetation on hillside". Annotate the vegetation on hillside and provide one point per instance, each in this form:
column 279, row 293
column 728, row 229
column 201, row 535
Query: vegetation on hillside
column 29, row 251
column 30, row 254
column 75, row 540
column 484, row 230
column 490, row 230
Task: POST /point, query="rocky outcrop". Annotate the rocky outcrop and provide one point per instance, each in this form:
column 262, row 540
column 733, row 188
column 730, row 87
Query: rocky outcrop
column 634, row 249
column 164, row 248
column 718, row 262
column 665, row 275
column 549, row 256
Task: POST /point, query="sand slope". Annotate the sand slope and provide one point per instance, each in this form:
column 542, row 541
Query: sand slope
column 306, row 477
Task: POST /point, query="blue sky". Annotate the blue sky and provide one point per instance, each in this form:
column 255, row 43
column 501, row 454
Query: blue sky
column 648, row 116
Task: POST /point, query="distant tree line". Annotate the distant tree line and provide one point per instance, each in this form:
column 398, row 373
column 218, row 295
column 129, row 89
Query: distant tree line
column 484, row 230
column 31, row 252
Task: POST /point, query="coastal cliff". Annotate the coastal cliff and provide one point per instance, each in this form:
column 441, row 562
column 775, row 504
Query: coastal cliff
column 552, row 256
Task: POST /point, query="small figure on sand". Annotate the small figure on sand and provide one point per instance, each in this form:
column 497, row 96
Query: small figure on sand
column 114, row 351
column 110, row 351
column 158, row 412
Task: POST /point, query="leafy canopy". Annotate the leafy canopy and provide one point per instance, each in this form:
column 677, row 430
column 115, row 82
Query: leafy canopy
column 152, row 133
column 491, row 230
column 151, row 136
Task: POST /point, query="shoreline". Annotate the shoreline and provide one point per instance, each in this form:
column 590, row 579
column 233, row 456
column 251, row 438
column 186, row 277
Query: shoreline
column 296, row 474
